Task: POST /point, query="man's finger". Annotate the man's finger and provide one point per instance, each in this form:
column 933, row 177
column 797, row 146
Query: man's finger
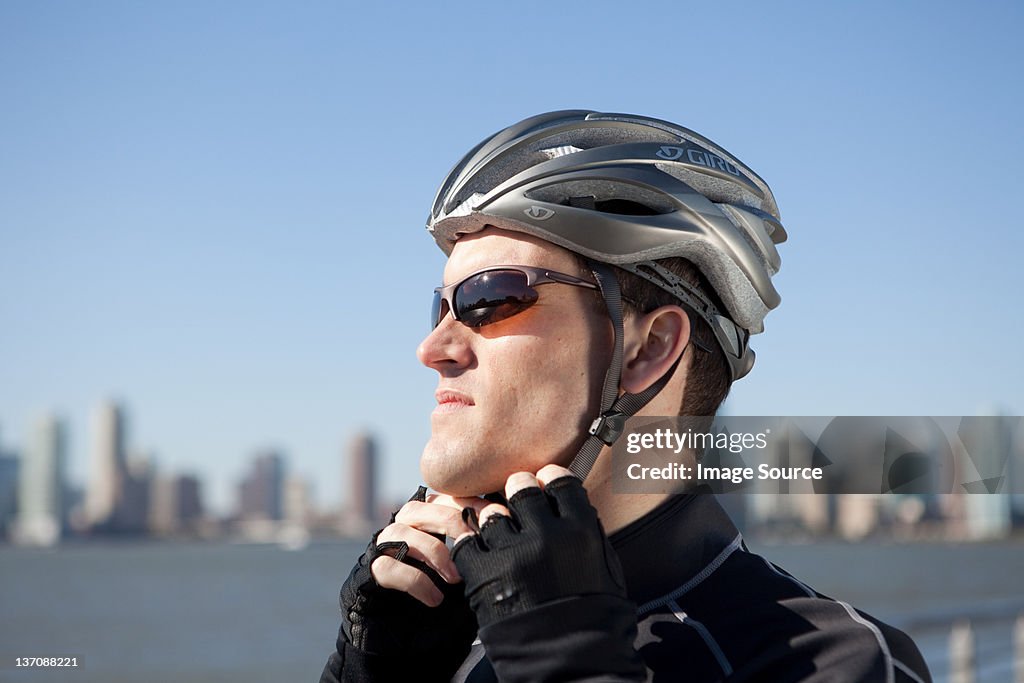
column 423, row 547
column 434, row 518
column 519, row 481
column 549, row 473
column 569, row 498
column 490, row 510
column 477, row 504
column 462, row 536
column 446, row 500
column 390, row 573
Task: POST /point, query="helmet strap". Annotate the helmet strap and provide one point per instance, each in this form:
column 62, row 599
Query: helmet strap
column 609, row 424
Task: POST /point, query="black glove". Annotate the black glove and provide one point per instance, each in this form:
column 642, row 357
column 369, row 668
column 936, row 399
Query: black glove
column 548, row 590
column 552, row 547
column 389, row 635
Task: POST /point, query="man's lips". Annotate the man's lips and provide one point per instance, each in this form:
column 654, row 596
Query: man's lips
column 448, row 400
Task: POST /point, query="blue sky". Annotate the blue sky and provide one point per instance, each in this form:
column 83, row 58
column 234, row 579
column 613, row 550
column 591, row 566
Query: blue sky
column 214, row 211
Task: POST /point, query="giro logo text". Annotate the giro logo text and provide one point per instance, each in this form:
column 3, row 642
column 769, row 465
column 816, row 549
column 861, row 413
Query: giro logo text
column 710, row 160
column 697, row 156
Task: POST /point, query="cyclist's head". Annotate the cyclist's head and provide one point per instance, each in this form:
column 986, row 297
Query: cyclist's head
column 655, row 213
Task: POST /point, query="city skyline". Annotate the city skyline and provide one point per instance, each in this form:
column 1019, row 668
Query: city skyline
column 84, row 466
column 128, row 494
column 117, row 466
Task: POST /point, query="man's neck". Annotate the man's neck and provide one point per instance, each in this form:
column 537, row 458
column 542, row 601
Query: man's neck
column 616, row 510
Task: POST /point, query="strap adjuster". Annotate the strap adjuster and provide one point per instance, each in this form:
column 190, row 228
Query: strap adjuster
column 608, row 427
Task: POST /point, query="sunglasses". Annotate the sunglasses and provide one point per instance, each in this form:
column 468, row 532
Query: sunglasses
column 494, row 294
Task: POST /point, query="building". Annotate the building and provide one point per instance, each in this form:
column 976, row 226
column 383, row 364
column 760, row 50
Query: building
column 42, row 515
column 175, row 505
column 108, row 469
column 298, row 503
column 1015, row 475
column 361, row 513
column 9, row 467
column 190, row 499
column 133, row 508
column 261, row 492
column 782, row 507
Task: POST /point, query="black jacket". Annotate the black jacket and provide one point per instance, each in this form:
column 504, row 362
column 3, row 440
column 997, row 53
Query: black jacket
column 708, row 610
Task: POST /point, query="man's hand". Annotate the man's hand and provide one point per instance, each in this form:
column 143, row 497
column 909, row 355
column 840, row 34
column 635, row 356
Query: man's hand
column 422, row 526
column 404, row 614
column 546, row 545
column 546, row 585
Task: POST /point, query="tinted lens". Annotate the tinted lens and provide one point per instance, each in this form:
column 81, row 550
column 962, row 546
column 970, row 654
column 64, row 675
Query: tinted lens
column 492, row 296
column 437, row 310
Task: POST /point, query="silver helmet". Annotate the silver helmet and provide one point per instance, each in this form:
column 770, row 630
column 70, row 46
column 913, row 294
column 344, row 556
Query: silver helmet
column 628, row 190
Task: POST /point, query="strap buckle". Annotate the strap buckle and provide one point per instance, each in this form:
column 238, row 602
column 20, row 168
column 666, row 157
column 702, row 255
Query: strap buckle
column 608, row 427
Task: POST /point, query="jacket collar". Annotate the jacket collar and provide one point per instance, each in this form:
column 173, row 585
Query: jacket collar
column 672, row 544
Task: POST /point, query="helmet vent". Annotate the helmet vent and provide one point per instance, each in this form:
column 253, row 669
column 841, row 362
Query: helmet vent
column 620, row 207
column 608, row 196
column 624, row 207
column 505, row 163
column 561, row 151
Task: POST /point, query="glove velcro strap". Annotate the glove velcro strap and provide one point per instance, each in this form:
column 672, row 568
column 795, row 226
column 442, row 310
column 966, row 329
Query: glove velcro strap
column 401, row 547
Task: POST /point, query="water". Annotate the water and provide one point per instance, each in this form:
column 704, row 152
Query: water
column 921, row 588
column 174, row 612
column 227, row 613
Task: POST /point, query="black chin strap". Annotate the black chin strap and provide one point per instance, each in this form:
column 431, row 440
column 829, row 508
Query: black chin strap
column 615, row 409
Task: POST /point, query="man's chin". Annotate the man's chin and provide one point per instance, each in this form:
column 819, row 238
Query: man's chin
column 441, row 471
column 460, row 486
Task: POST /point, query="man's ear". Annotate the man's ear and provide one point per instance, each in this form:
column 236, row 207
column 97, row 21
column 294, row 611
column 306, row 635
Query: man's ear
column 653, row 342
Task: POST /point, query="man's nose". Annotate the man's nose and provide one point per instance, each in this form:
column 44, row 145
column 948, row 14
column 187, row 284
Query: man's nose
column 446, row 347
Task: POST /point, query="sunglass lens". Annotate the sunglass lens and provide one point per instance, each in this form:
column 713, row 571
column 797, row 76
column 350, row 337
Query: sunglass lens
column 493, row 296
column 438, row 310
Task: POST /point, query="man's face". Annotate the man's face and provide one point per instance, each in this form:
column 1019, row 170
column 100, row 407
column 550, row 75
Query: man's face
column 519, row 393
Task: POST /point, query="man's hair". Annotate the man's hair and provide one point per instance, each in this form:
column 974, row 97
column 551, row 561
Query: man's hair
column 708, row 380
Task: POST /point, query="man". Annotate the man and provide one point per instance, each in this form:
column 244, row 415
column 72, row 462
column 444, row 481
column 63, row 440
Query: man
column 600, row 266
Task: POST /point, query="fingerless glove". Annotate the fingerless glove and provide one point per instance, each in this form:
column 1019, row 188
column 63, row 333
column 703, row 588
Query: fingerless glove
column 388, row 635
